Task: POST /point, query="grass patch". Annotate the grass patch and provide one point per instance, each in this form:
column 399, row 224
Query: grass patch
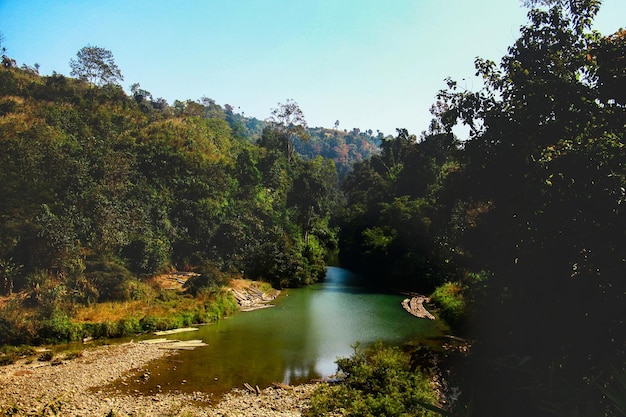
column 10, row 354
column 169, row 310
column 111, row 319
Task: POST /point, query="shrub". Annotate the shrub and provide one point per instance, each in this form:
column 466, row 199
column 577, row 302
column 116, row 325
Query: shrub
column 210, row 277
column 149, row 323
column 146, row 254
column 9, row 354
column 59, row 328
column 450, row 299
column 128, row 327
column 221, row 305
column 377, row 382
column 73, row 355
column 134, row 289
column 15, row 329
column 6, row 360
column 110, row 280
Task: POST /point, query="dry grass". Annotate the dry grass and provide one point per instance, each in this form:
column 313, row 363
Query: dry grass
column 115, row 311
column 242, row 284
column 110, row 311
column 167, row 282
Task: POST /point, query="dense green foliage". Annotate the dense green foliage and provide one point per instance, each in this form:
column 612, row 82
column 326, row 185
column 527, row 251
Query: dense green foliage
column 381, row 381
column 345, row 148
column 100, row 188
column 518, row 231
column 452, row 302
column 394, row 225
column 146, row 186
column 526, row 215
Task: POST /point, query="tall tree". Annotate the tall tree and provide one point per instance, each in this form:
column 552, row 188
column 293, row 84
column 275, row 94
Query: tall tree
column 96, row 65
column 289, row 123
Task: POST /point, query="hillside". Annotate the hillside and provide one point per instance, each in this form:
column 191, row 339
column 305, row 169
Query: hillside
column 102, row 190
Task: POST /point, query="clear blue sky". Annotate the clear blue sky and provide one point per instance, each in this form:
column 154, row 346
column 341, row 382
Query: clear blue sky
column 371, row 64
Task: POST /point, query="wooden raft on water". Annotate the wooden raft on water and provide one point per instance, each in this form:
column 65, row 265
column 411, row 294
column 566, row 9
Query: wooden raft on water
column 415, row 306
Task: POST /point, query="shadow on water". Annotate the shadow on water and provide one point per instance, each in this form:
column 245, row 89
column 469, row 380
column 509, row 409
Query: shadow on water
column 296, row 341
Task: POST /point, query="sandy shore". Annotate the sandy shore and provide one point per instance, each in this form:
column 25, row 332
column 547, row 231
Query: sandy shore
column 72, row 387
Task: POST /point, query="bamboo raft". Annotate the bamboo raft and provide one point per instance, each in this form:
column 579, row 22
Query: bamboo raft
column 174, row 331
column 415, row 306
column 175, row 344
column 250, row 299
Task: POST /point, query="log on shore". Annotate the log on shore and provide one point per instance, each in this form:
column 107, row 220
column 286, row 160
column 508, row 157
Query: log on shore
column 175, row 331
column 183, row 345
column 415, row 306
column 250, row 299
column 174, row 344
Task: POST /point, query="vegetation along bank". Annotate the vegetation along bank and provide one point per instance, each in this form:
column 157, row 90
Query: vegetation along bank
column 516, row 230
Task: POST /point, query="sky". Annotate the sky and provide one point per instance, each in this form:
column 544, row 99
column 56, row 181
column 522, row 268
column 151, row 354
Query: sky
column 369, row 64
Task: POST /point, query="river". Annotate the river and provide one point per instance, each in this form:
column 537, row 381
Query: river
column 296, row 341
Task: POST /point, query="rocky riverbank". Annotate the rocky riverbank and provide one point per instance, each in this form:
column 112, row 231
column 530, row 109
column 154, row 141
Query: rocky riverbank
column 71, row 385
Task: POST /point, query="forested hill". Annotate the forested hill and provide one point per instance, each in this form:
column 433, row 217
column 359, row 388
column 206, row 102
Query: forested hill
column 518, row 231
column 344, row 147
column 98, row 186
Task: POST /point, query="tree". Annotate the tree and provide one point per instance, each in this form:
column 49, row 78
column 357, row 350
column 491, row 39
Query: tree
column 96, row 66
column 6, row 61
column 289, row 123
column 139, row 94
column 312, row 192
column 543, row 178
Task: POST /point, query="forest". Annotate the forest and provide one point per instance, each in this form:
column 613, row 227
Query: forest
column 517, row 231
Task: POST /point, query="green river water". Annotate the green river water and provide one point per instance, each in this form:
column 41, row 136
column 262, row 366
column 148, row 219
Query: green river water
column 296, row 341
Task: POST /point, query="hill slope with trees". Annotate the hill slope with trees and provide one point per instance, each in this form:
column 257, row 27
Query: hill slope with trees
column 101, row 190
column 518, row 231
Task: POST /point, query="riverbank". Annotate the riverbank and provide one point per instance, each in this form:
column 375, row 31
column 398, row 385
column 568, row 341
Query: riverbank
column 252, row 295
column 73, row 385
column 160, row 303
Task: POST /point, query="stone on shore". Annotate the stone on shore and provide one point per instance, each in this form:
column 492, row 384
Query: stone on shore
column 74, row 387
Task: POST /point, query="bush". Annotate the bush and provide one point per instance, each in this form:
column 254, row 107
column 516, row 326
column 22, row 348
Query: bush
column 134, row 289
column 150, row 323
column 15, row 329
column 128, row 327
column 59, row 328
column 221, row 305
column 210, row 277
column 450, row 299
column 378, row 382
column 110, row 279
column 146, row 254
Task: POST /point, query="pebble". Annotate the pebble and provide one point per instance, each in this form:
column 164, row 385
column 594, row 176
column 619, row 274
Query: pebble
column 75, row 384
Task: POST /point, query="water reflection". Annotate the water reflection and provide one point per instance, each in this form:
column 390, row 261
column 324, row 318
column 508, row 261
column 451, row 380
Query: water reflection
column 296, row 341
